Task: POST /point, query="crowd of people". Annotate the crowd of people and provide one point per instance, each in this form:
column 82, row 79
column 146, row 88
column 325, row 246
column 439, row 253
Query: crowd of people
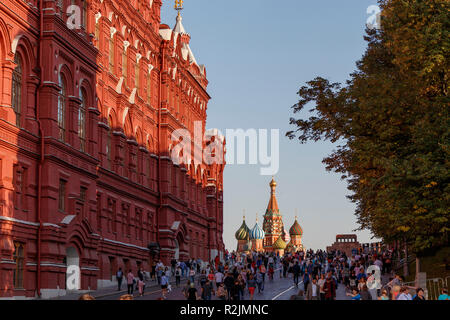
column 316, row 274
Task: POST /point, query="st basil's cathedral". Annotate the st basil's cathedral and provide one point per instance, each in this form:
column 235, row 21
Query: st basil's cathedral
column 272, row 237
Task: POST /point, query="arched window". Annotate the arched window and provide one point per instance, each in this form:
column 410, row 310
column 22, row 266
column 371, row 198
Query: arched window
column 19, row 259
column 16, row 92
column 82, row 120
column 62, row 97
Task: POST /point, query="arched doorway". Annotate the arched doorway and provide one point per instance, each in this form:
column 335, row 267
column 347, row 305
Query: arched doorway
column 73, row 274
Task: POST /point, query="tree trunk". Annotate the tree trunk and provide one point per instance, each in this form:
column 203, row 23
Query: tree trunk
column 405, row 264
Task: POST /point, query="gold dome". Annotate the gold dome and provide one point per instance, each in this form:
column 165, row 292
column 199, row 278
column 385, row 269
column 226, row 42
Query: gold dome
column 279, row 244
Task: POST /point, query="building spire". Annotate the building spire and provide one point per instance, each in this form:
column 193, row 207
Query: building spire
column 272, row 208
column 179, row 26
column 273, row 185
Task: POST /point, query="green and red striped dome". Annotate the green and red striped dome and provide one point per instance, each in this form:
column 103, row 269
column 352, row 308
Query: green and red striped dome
column 296, row 230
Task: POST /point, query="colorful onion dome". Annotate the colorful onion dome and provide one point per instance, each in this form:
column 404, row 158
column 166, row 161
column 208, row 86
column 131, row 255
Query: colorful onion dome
column 243, row 232
column 296, row 230
column 257, row 233
column 279, row 244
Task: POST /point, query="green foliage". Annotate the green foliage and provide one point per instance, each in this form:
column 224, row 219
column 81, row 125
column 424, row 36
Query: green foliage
column 392, row 117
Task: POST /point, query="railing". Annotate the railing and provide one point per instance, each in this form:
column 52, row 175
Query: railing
column 399, row 265
column 434, row 287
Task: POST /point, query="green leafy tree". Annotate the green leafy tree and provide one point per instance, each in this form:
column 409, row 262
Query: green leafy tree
column 391, row 124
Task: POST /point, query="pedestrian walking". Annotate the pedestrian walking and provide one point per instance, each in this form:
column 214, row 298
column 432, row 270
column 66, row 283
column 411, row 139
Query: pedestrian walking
column 130, row 281
column 178, row 276
column 164, row 285
column 330, row 289
column 313, row 290
column 119, row 277
column 207, row 290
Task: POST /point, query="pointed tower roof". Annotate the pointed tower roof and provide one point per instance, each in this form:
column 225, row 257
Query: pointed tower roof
column 272, row 207
column 179, row 28
column 243, row 232
column 186, row 51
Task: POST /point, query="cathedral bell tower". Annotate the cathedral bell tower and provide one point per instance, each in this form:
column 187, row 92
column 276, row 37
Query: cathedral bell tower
column 273, row 223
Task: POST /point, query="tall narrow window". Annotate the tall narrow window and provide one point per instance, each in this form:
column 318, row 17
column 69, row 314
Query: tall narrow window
column 99, row 211
column 19, row 258
column 114, row 216
column 148, row 87
column 82, row 121
column 111, row 53
column 124, row 65
column 97, row 33
column 109, row 143
column 16, row 94
column 62, row 195
column 128, row 222
column 83, row 191
column 19, row 180
column 62, row 108
column 84, row 14
column 136, row 77
column 137, row 221
column 147, row 167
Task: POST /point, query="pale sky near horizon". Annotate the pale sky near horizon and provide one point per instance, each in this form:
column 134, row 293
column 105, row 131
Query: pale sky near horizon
column 258, row 53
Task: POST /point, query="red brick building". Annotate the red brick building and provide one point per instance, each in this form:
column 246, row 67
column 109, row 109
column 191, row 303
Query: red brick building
column 86, row 117
column 345, row 243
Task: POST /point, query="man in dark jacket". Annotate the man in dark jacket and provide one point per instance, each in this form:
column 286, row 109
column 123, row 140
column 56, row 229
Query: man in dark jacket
column 229, row 283
column 306, row 280
column 296, row 272
column 330, row 289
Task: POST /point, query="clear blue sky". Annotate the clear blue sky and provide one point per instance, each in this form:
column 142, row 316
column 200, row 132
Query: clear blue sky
column 257, row 55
